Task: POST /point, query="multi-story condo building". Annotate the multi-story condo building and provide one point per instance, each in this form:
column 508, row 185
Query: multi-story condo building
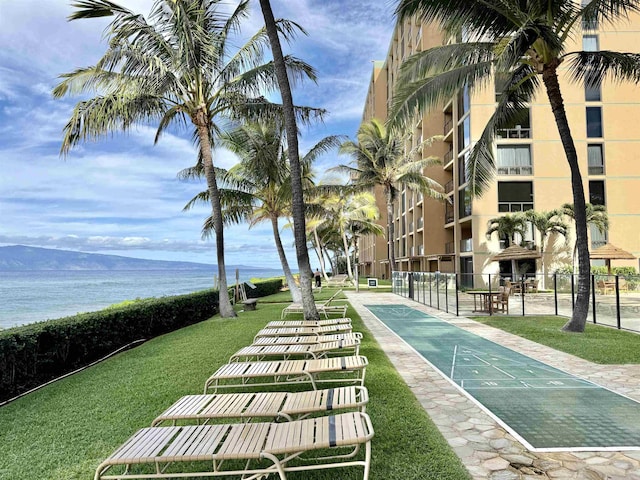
column 532, row 171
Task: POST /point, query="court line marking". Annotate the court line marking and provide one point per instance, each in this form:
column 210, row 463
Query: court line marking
column 497, row 419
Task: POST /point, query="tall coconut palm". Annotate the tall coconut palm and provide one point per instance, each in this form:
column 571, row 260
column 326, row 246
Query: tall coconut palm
column 596, row 215
column 263, row 175
column 297, row 193
column 522, row 42
column 508, row 227
column 546, row 223
column 174, row 67
column 380, row 158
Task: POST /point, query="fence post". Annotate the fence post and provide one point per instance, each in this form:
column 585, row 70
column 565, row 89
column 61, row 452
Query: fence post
column 411, row 286
column 430, row 288
column 457, row 298
column 438, row 290
column 573, row 296
column 490, row 303
column 424, row 299
column 446, row 292
column 555, row 291
column 523, row 287
column 593, row 297
column 618, row 303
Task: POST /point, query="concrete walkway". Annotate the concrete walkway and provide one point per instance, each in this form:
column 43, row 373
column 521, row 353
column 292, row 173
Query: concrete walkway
column 487, row 449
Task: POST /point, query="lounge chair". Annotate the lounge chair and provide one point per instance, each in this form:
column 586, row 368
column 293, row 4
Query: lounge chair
column 285, row 352
column 339, row 280
column 325, row 308
column 150, row 452
column 308, row 339
column 287, row 406
column 350, row 369
column 302, row 331
column 308, row 323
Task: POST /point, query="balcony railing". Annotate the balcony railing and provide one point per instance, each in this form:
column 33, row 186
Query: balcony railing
column 511, row 170
column 466, row 245
column 448, row 187
column 447, row 157
column 514, row 133
column 420, row 223
column 420, row 249
column 448, row 125
column 449, row 248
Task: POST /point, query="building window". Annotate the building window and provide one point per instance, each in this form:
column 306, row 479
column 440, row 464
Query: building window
column 594, row 122
column 463, row 102
column 592, row 93
column 596, row 192
column 590, row 43
column 464, row 202
column 500, row 84
column 591, row 24
column 514, row 160
column 596, row 159
column 466, row 271
column 448, row 212
column 519, row 127
column 598, row 238
column 515, row 196
column 464, row 134
column 463, row 164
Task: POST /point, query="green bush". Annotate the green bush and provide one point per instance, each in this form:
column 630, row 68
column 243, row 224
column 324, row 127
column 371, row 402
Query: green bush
column 34, row 354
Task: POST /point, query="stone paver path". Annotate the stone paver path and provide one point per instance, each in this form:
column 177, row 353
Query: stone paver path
column 488, row 450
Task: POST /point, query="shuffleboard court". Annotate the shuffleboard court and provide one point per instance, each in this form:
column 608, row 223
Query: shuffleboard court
column 546, row 408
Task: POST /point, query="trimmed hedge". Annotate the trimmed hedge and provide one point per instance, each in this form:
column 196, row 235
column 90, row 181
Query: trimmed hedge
column 33, row 354
column 264, row 288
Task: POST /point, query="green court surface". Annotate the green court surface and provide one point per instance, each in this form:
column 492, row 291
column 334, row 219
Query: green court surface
column 544, row 407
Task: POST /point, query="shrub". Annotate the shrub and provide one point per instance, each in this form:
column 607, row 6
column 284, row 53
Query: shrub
column 34, row 354
column 264, row 288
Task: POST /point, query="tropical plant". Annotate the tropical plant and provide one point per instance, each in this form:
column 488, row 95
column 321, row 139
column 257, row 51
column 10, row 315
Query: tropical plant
column 546, row 223
column 596, row 215
column 259, row 187
column 507, row 227
column 380, row 159
column 521, row 43
column 297, row 192
column 175, row 67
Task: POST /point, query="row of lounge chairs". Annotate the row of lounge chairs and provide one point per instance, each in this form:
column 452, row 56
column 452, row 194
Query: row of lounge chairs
column 325, row 308
column 303, row 430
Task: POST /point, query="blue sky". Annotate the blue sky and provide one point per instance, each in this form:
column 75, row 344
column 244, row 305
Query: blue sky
column 120, row 195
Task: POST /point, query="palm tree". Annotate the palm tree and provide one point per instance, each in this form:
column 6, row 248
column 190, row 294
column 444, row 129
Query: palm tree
column 381, row 159
column 177, row 67
column 507, row 227
column 263, row 176
column 520, row 42
column 546, row 223
column 596, row 215
column 297, row 204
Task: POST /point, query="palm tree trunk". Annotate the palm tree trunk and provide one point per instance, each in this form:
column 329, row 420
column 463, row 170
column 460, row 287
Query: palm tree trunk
column 201, row 122
column 390, row 237
column 297, row 208
column 293, row 288
column 346, row 255
column 542, row 240
column 579, row 317
column 320, row 254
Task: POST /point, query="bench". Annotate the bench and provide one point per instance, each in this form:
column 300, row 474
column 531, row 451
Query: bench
column 250, row 304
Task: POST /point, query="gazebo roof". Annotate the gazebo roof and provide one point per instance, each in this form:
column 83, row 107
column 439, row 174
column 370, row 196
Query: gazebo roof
column 515, row 252
column 609, row 251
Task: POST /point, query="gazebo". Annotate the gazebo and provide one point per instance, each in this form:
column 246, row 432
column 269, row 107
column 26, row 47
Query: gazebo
column 608, row 252
column 515, row 253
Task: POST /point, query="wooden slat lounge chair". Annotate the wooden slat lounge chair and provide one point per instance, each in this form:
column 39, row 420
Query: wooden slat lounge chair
column 325, row 308
column 307, row 350
column 150, row 451
column 343, row 370
column 303, row 331
column 308, row 323
column 287, row 406
column 307, row 339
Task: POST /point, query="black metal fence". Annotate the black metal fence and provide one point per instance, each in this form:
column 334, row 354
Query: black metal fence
column 615, row 299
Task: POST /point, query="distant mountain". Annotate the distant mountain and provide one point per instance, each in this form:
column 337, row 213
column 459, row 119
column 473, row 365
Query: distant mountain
column 22, row 258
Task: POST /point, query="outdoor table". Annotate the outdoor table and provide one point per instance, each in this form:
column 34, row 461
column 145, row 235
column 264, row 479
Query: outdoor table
column 486, row 297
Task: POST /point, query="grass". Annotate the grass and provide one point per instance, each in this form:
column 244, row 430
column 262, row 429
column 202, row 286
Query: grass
column 66, row 429
column 597, row 344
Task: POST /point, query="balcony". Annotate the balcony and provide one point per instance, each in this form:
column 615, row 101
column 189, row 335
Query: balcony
column 449, row 248
column 447, row 158
column 466, row 245
column 514, row 132
column 420, row 249
column 448, row 187
column 448, row 124
column 511, row 170
column 420, row 223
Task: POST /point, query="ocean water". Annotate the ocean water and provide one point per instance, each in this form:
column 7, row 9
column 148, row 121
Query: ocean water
column 27, row 297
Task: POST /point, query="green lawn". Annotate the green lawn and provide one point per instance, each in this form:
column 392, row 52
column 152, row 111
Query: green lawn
column 66, row 429
column 597, row 344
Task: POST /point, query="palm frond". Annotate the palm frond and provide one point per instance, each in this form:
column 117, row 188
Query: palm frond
column 591, row 68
